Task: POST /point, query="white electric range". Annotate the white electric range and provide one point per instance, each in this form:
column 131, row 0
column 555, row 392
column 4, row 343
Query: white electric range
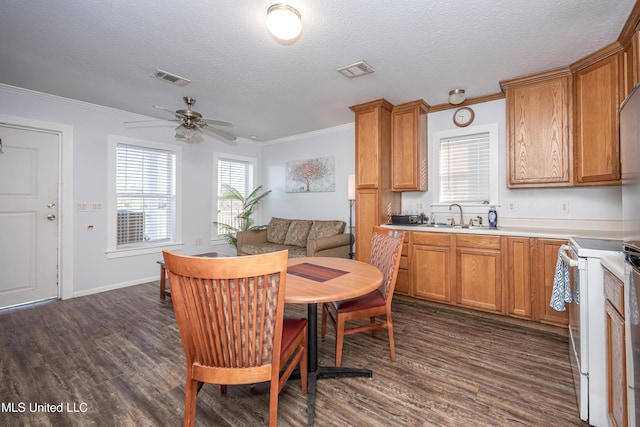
column 587, row 343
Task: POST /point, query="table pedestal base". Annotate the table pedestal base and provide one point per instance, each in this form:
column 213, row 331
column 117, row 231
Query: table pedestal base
column 320, row 372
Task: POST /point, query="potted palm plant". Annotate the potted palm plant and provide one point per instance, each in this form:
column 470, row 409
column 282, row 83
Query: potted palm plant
column 242, row 217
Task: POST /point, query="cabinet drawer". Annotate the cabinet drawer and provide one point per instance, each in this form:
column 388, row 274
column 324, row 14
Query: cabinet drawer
column 613, row 291
column 477, row 242
column 431, row 239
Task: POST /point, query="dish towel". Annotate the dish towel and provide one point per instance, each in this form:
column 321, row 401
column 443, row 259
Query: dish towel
column 561, row 292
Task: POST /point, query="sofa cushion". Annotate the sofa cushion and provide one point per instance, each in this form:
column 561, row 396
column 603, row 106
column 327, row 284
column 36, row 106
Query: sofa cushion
column 298, row 233
column 326, row 229
column 277, row 230
column 261, row 248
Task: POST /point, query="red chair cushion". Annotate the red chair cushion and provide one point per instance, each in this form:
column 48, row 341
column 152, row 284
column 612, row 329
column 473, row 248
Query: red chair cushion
column 370, row 300
column 290, row 329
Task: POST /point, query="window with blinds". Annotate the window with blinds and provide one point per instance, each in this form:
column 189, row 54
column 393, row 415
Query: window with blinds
column 145, row 195
column 465, row 169
column 239, row 174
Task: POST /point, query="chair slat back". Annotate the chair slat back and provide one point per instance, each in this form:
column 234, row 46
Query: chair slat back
column 227, row 308
column 386, row 247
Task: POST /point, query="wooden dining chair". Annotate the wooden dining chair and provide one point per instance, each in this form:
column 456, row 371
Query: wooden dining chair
column 230, row 313
column 386, row 246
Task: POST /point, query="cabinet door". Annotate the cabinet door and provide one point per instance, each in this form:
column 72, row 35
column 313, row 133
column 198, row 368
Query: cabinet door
column 538, row 131
column 546, row 257
column 409, row 146
column 367, row 216
column 629, row 67
column 403, row 284
column 479, row 272
column 616, row 367
column 517, row 276
column 596, row 141
column 431, row 266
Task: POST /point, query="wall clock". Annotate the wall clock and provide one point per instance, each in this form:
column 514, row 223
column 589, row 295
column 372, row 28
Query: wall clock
column 463, row 116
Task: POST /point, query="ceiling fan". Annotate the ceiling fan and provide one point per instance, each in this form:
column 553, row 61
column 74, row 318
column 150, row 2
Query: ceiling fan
column 192, row 124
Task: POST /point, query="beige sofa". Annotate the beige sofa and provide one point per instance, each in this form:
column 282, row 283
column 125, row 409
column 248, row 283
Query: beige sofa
column 301, row 237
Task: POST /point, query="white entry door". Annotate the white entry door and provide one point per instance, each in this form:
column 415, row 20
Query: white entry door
column 28, row 215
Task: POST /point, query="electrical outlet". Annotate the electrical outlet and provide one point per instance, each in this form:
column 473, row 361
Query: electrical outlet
column 564, row 206
column 198, row 242
column 511, row 207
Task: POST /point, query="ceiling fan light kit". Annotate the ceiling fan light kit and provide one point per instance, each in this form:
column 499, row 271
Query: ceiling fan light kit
column 284, row 22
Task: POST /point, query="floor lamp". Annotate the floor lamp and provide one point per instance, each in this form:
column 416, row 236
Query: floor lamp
column 351, row 190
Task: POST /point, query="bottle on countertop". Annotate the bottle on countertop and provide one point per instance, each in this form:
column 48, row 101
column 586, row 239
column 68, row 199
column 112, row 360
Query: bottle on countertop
column 493, row 217
column 432, row 218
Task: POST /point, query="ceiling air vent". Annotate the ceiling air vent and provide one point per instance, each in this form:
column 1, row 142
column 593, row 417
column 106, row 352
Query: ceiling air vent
column 356, row 70
column 171, row 78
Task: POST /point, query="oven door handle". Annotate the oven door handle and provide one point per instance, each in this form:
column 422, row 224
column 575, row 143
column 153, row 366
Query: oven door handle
column 570, row 261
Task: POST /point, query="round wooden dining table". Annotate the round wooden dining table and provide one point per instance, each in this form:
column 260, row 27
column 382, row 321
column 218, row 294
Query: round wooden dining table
column 314, row 280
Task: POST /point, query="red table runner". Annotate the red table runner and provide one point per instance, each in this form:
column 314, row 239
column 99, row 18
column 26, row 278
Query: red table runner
column 315, row 272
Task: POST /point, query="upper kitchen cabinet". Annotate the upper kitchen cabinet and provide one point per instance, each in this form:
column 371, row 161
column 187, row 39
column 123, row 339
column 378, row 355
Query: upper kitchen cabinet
column 373, row 139
column 628, row 64
column 538, row 111
column 409, row 146
column 596, row 103
column 375, row 200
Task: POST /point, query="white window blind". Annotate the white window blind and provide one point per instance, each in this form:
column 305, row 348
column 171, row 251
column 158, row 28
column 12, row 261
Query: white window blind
column 145, row 195
column 465, row 169
column 238, row 174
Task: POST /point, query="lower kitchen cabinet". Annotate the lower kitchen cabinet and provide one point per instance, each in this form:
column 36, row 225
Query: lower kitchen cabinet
column 506, row 275
column 616, row 365
column 545, row 259
column 479, row 272
column 517, row 276
column 430, row 260
column 403, row 283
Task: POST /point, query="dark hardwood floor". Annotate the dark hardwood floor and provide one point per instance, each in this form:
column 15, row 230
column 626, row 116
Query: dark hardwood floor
column 115, row 359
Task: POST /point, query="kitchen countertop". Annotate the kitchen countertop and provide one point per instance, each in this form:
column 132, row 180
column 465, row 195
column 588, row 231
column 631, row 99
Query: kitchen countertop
column 615, row 264
column 538, row 228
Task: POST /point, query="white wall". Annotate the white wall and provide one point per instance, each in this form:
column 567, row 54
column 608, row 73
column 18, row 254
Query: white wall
column 91, row 124
column 585, row 203
column 338, row 142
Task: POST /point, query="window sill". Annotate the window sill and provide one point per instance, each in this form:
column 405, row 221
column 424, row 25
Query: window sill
column 151, row 249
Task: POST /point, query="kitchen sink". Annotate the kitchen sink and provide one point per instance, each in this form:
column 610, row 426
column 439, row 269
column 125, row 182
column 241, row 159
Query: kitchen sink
column 474, row 227
column 437, row 225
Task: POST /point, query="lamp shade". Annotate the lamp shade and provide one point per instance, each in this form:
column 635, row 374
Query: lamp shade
column 351, row 188
column 284, row 22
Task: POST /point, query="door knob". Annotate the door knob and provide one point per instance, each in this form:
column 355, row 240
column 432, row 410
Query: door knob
column 51, row 217
column 51, row 205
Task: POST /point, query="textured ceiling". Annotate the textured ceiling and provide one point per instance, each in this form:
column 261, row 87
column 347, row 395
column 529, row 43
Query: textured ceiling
column 103, row 52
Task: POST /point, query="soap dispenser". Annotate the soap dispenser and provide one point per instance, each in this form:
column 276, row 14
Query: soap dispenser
column 493, row 217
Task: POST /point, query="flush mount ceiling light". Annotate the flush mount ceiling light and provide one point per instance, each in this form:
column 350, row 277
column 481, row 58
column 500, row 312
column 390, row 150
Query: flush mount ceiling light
column 284, row 22
column 457, row 96
column 358, row 69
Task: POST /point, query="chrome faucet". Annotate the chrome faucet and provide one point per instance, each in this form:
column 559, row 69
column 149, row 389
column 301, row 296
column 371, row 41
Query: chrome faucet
column 459, row 207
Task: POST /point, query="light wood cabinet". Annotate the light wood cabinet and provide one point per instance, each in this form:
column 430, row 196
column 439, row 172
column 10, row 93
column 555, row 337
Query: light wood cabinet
column 628, row 64
column 517, row 276
column 403, row 282
column 409, row 146
column 538, row 111
column 430, row 261
column 479, row 272
column 546, row 258
column 375, row 201
column 596, row 118
column 615, row 338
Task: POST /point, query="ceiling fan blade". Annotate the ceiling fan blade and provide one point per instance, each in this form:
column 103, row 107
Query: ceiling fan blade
column 168, row 111
column 212, row 122
column 152, row 120
column 229, row 137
